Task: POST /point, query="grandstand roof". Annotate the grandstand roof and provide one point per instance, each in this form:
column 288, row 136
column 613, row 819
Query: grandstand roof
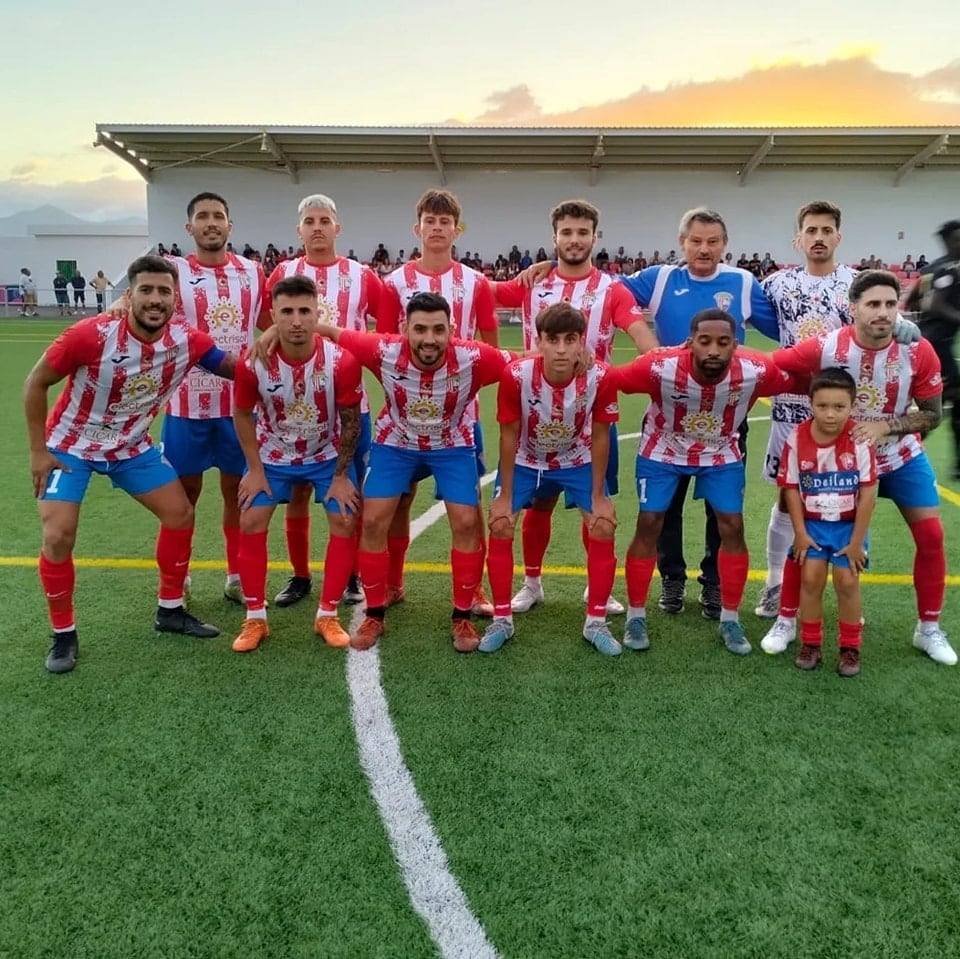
column 288, row 150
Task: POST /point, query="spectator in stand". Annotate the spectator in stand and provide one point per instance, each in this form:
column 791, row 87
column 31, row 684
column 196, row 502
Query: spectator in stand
column 743, row 263
column 908, row 265
column 380, row 255
column 100, row 284
column 728, row 259
column 414, row 254
column 655, row 259
column 514, row 255
column 162, row 250
column 230, row 248
column 467, row 259
column 351, row 255
column 175, row 250
column 247, row 250
column 754, row 265
column 602, row 259
column 542, row 255
column 862, row 265
column 28, row 293
column 766, row 263
column 526, row 260
column 60, row 291
column 79, row 283
column 921, row 261
column 671, row 257
column 640, row 263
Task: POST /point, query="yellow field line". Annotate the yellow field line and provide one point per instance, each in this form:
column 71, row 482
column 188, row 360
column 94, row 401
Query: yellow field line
column 896, row 579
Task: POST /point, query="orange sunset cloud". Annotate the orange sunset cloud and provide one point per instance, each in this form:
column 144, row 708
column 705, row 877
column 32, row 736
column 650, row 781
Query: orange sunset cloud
column 846, row 92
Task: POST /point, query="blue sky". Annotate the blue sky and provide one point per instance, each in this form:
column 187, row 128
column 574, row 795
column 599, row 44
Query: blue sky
column 390, row 63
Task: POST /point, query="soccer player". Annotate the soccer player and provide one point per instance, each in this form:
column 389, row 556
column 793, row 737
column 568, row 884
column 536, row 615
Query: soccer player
column 937, row 296
column 829, row 481
column 221, row 294
column 472, row 317
column 307, row 398
column 699, row 395
column 121, row 371
column 348, row 292
column 430, row 381
column 891, row 378
column 809, row 300
column 607, row 306
column 554, row 437
column 672, row 294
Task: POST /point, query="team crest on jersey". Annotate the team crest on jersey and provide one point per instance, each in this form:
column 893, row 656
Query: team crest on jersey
column 810, row 327
column 701, row 423
column 222, row 317
column 244, row 279
column 457, row 292
column 734, row 397
column 807, row 464
column 552, row 437
column 847, row 461
column 327, row 312
column 452, row 383
column 138, row 395
column 723, row 300
column 587, row 301
column 320, row 380
column 891, row 371
column 345, row 282
column 869, row 399
column 580, row 403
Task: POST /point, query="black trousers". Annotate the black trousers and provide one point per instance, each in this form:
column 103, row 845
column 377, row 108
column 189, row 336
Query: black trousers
column 670, row 559
column 942, row 336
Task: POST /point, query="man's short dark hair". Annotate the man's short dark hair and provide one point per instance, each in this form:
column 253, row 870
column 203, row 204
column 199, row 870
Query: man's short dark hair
column 818, row 208
column 577, row 210
column 949, row 227
column 707, row 316
column 207, row 195
column 439, row 203
column 427, row 303
column 561, row 318
column 868, row 278
column 296, row 285
column 151, row 263
column 834, row 378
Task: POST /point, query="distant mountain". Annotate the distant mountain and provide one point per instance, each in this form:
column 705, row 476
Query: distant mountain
column 49, row 215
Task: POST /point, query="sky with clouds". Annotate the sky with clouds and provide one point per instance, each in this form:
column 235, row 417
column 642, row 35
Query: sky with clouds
column 490, row 62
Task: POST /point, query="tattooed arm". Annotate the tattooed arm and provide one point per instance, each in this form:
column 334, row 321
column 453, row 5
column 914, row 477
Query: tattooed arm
column 923, row 419
column 342, row 490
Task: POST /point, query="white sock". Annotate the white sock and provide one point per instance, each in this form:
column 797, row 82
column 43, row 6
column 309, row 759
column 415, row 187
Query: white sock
column 595, row 621
column 170, row 603
column 790, row 621
column 233, row 579
column 729, row 616
column 534, row 582
column 636, row 612
column 257, row 613
column 779, row 541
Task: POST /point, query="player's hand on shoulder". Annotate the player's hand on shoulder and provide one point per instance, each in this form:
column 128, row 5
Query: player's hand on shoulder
column 263, row 347
column 120, row 307
column 905, row 331
column 871, row 431
column 531, row 274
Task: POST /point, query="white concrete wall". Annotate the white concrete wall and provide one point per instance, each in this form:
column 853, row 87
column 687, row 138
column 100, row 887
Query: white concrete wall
column 39, row 254
column 638, row 210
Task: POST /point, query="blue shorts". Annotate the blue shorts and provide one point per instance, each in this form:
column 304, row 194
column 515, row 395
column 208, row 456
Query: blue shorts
column 391, row 472
column 283, row 478
column 720, row 486
column 138, row 475
column 913, row 484
column 831, row 537
column 612, row 479
column 529, row 484
column 194, row 446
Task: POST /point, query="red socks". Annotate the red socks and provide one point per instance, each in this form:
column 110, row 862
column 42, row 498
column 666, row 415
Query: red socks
column 374, row 568
column 253, row 569
column 601, row 572
column 929, row 568
column 397, row 551
column 231, row 543
column 173, row 558
column 337, row 566
column 732, row 569
column 535, row 538
column 639, row 576
column 500, row 568
column 58, row 581
column 467, row 573
column 790, row 589
column 297, row 529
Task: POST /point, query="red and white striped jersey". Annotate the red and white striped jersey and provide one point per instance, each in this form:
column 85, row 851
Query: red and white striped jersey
column 888, row 381
column 298, row 402
column 224, row 301
column 466, row 290
column 426, row 409
column 556, row 422
column 347, row 293
column 689, row 423
column 828, row 475
column 607, row 304
column 117, row 384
